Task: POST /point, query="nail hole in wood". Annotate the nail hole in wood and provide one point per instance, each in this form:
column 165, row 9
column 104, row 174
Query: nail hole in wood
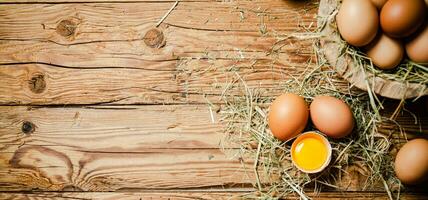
column 37, row 83
column 154, row 38
column 66, row 28
column 28, row 127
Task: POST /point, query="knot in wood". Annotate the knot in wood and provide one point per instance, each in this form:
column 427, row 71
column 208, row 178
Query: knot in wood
column 154, row 38
column 66, row 28
column 37, row 83
column 28, row 127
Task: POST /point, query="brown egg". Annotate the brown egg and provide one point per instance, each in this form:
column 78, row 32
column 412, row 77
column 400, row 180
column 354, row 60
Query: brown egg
column 379, row 3
column 411, row 162
column 288, row 116
column 385, row 52
column 417, row 47
column 400, row 18
column 331, row 116
column 357, row 21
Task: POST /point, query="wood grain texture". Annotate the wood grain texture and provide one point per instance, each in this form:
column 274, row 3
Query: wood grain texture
column 109, row 148
column 62, row 58
column 131, row 20
column 191, row 83
column 112, row 128
column 105, row 59
column 55, row 168
column 112, row 148
column 186, row 195
column 100, row 29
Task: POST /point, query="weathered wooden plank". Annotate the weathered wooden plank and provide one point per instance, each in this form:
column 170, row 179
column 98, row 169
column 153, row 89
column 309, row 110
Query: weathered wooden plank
column 112, row 148
column 139, row 127
column 88, row 35
column 111, row 128
column 53, row 168
column 186, row 195
column 98, row 36
column 112, row 36
column 105, row 148
column 46, row 84
column 135, row 54
column 124, row 196
column 109, row 21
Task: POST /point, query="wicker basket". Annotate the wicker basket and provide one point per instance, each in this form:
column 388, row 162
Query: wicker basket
column 343, row 63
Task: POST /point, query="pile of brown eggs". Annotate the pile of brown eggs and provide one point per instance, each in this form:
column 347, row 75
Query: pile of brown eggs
column 289, row 114
column 386, row 30
column 310, row 151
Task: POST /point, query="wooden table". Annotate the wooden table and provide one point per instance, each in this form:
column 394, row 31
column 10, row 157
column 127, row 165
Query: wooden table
column 98, row 103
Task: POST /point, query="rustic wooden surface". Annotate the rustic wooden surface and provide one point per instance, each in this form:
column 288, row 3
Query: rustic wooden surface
column 196, row 195
column 92, row 107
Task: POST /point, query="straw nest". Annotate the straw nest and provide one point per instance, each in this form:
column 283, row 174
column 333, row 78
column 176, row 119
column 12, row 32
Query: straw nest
column 365, row 154
column 245, row 118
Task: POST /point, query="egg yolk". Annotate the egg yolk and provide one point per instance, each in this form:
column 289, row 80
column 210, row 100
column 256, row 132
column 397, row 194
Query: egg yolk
column 310, row 153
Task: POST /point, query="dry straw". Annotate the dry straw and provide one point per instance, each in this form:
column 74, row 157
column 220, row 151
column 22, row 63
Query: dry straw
column 245, row 116
column 245, row 113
